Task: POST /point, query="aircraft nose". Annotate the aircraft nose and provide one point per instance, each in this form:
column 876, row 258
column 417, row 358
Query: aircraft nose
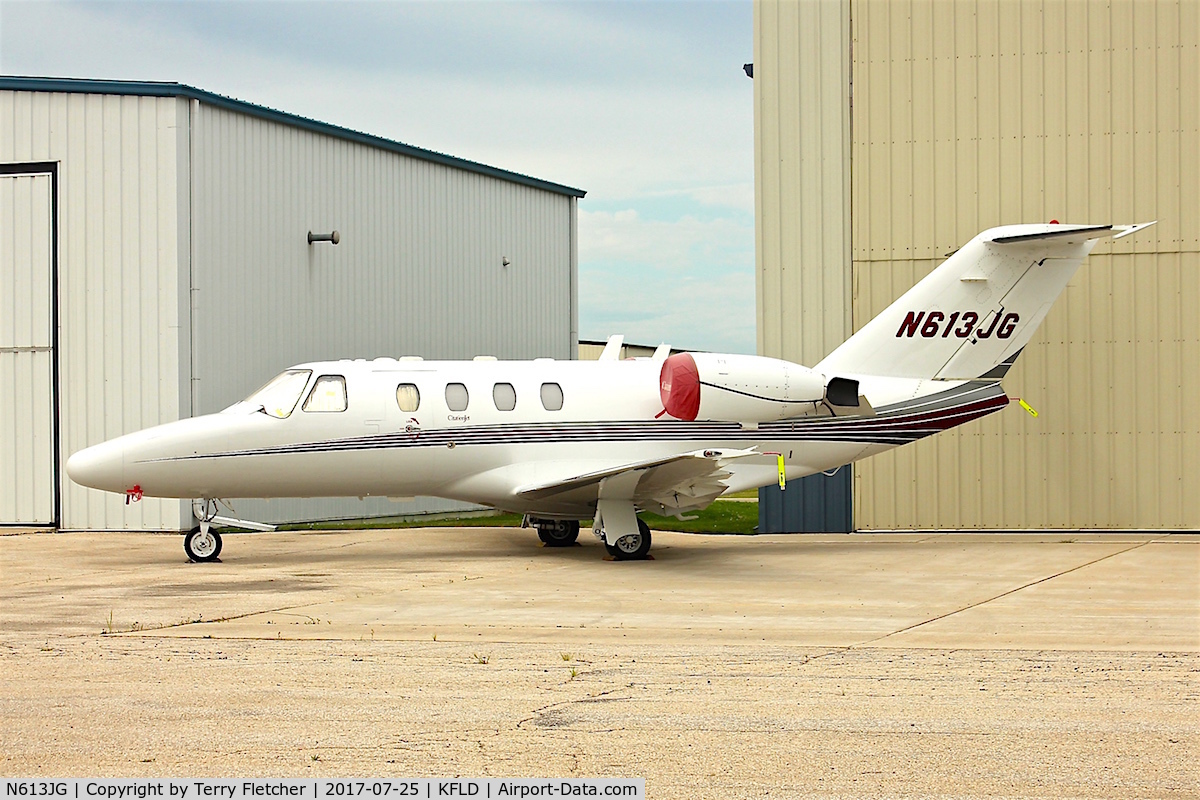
column 101, row 466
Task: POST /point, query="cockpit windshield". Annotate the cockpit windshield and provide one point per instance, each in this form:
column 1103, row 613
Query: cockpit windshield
column 279, row 397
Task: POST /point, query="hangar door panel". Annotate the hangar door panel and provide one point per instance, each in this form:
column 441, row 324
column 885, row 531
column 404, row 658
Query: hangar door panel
column 27, row 483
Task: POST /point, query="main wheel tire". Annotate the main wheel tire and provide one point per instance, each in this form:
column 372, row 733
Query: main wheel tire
column 202, row 546
column 558, row 532
column 631, row 546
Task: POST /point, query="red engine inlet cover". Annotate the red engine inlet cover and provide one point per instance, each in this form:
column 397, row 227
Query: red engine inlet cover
column 679, row 387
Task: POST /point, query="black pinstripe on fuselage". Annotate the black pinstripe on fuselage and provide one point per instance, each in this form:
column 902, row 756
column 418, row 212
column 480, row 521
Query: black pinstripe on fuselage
column 894, row 424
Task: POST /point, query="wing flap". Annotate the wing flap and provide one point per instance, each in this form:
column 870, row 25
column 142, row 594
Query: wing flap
column 693, row 475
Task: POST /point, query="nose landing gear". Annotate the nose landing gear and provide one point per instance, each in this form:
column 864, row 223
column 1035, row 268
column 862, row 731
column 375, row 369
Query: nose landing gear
column 201, row 543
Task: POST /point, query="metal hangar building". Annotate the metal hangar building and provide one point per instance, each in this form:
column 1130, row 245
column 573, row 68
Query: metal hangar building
column 887, row 134
column 156, row 264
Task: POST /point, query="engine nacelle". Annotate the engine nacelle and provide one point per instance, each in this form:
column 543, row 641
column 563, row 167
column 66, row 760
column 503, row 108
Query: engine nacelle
column 737, row 388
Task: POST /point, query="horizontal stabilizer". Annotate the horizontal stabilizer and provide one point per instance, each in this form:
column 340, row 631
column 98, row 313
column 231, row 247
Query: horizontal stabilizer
column 1072, row 233
column 1061, row 233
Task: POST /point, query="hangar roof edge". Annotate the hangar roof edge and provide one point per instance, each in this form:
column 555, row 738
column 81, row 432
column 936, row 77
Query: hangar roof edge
column 169, row 89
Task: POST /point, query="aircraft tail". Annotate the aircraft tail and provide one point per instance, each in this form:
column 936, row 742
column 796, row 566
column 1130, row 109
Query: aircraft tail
column 971, row 317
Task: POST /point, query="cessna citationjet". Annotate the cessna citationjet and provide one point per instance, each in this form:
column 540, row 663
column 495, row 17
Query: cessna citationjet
column 563, row 441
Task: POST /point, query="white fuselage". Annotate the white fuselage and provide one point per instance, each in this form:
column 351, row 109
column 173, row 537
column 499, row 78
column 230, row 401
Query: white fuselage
column 611, row 414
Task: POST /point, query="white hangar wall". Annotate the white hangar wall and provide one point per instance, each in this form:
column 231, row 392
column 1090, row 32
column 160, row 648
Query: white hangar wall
column 116, row 161
column 418, row 270
column 966, row 115
column 184, row 278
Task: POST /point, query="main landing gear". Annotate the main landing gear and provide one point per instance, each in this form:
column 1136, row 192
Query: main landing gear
column 202, row 543
column 625, row 537
column 631, row 546
column 557, row 532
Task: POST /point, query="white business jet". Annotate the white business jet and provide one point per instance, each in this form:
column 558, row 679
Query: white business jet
column 563, row 441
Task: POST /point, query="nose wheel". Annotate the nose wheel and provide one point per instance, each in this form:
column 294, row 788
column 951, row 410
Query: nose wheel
column 202, row 543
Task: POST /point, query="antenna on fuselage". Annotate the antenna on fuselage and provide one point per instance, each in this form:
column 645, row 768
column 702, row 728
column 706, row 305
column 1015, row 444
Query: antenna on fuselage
column 612, row 350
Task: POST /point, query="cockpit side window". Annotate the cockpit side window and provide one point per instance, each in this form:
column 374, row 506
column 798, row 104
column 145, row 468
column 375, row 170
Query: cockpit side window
column 408, row 397
column 279, row 396
column 328, row 394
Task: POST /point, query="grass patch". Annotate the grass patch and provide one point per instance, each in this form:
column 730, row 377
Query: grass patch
column 720, row 517
column 374, row 523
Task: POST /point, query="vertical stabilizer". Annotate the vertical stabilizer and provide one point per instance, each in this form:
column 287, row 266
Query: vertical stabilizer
column 971, row 316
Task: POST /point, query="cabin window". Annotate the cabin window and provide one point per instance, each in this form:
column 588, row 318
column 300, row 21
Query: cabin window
column 505, row 396
column 279, row 396
column 552, row 397
column 456, row 397
column 408, row 397
column 328, row 394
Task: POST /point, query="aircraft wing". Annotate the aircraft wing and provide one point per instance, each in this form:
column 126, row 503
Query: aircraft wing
column 669, row 485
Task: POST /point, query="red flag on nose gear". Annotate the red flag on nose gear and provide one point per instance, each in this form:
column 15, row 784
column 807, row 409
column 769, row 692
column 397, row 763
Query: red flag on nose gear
column 679, row 386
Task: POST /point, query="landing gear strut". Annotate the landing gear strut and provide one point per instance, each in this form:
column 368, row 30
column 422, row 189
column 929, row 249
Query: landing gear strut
column 202, row 543
column 558, row 532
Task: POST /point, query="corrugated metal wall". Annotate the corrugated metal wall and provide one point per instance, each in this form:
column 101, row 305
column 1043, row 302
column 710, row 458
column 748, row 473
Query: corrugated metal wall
column 418, row 271
column 119, row 256
column 968, row 115
column 802, row 226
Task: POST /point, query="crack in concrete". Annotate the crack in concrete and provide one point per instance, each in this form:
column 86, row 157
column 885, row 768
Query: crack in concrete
column 563, row 704
column 186, row 622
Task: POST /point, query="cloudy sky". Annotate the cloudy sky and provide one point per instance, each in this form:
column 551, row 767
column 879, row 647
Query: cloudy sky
column 642, row 104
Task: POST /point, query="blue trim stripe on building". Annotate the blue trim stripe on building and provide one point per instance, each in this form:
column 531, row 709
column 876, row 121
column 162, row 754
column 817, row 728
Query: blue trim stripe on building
column 18, row 83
